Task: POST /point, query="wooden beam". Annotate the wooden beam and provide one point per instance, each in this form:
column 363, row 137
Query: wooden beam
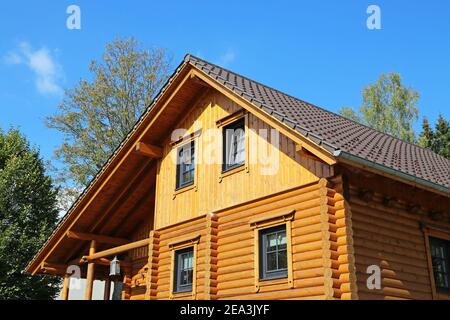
column 53, row 268
column 149, row 150
column 98, row 238
column 199, row 81
column 119, row 200
column 116, row 250
column 65, row 289
column 109, row 170
column 106, row 262
column 305, row 153
column 366, row 194
column 90, row 273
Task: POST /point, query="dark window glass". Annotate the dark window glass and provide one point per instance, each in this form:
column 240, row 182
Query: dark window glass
column 273, row 253
column 185, row 165
column 184, row 268
column 234, row 145
column 440, row 257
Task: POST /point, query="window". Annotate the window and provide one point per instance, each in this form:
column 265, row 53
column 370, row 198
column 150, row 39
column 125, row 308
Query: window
column 440, row 258
column 185, row 165
column 233, row 145
column 273, row 253
column 184, row 269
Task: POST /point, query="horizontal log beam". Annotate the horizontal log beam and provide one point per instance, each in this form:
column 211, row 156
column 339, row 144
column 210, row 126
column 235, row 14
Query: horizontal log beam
column 53, row 268
column 107, row 262
column 95, row 237
column 149, row 150
column 116, row 250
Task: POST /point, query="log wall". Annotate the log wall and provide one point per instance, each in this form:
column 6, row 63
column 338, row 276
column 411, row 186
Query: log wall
column 388, row 233
column 322, row 260
column 139, row 259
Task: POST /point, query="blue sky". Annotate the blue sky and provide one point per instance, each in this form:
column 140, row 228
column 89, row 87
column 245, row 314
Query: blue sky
column 321, row 52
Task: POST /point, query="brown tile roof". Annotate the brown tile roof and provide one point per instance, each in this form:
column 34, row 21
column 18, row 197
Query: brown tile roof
column 334, row 132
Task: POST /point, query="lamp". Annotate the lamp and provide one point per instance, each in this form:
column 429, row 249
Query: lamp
column 114, row 267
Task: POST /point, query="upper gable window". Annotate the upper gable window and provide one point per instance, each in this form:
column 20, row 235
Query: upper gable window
column 234, row 145
column 440, row 258
column 185, row 165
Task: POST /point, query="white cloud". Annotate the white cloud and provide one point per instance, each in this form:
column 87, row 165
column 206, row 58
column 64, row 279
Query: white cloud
column 228, row 57
column 12, row 58
column 41, row 62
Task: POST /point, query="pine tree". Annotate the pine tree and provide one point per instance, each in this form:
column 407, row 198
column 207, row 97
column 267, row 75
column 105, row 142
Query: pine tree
column 27, row 217
column 437, row 140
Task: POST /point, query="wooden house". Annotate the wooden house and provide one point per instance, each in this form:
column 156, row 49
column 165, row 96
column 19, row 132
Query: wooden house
column 229, row 189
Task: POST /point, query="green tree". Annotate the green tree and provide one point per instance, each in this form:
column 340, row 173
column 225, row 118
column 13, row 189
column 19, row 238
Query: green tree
column 388, row 106
column 95, row 116
column 350, row 113
column 27, row 217
column 437, row 140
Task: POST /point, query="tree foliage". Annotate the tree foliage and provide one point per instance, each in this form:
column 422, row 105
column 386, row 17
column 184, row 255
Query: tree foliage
column 438, row 139
column 27, row 217
column 387, row 106
column 95, row 116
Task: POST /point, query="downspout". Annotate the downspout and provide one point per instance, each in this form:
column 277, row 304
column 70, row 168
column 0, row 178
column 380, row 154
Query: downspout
column 381, row 168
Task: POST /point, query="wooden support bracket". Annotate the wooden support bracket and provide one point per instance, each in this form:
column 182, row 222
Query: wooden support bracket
column 149, row 150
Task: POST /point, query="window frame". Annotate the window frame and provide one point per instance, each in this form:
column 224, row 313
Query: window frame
column 264, row 273
column 182, row 141
column 429, row 230
column 230, row 119
column 178, row 183
column 177, row 286
column 446, row 245
column 191, row 241
column 234, row 125
column 268, row 221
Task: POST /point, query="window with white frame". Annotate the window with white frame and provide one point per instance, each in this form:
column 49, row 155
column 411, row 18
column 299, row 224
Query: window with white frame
column 234, row 145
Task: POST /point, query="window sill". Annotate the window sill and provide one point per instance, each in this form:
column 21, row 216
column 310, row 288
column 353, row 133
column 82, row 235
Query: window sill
column 272, row 282
column 181, row 295
column 184, row 189
column 232, row 171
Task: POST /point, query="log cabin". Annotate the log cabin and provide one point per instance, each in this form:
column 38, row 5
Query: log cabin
column 229, row 189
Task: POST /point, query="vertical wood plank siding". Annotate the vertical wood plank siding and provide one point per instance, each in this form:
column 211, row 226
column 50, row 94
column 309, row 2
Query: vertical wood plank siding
column 212, row 194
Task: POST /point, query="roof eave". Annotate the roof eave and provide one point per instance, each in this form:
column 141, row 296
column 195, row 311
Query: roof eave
column 33, row 264
column 384, row 170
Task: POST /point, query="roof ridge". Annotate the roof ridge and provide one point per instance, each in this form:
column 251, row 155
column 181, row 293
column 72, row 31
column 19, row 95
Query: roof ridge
column 189, row 56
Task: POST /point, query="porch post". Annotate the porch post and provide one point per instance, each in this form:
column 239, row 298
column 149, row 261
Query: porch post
column 107, row 291
column 90, row 273
column 65, row 289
